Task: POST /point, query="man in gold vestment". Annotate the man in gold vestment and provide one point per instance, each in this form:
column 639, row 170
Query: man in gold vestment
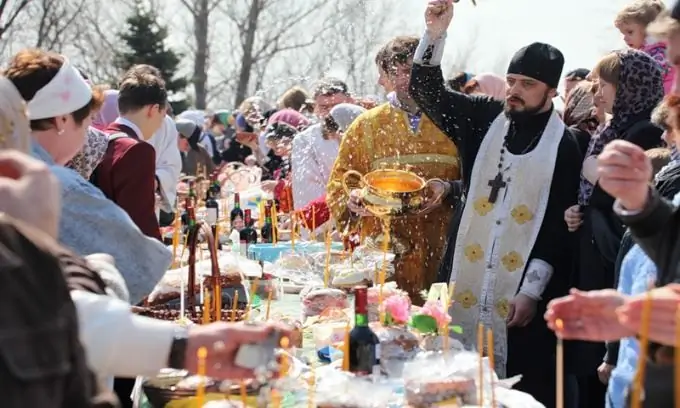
column 394, row 135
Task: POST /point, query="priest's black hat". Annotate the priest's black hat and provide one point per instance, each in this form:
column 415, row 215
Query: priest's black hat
column 539, row 61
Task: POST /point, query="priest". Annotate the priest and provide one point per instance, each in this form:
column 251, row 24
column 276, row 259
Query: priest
column 394, row 135
column 509, row 252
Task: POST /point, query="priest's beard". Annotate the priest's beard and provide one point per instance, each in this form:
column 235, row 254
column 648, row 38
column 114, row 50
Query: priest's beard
column 526, row 112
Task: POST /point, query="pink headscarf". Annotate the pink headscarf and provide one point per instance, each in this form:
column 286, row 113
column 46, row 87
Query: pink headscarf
column 290, row 117
column 491, row 85
column 108, row 112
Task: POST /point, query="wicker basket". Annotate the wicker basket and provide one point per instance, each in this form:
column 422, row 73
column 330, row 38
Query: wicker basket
column 192, row 312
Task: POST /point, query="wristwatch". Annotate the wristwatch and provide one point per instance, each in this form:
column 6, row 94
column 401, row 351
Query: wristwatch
column 178, row 349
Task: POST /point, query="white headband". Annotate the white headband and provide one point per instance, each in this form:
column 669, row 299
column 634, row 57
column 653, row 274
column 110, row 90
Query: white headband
column 65, row 93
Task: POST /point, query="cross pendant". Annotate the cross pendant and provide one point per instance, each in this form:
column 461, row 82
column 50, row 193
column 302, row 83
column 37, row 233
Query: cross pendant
column 496, row 184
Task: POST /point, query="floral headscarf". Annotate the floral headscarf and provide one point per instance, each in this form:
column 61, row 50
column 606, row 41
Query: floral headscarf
column 108, row 112
column 639, row 90
column 580, row 108
column 89, row 157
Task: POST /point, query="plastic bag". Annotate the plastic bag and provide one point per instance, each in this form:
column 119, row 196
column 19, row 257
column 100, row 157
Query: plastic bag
column 339, row 389
column 317, row 300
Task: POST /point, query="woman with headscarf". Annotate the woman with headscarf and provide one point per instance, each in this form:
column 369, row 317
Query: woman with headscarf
column 108, row 112
column 194, row 154
column 487, row 84
column 630, row 85
column 582, row 114
column 89, row 157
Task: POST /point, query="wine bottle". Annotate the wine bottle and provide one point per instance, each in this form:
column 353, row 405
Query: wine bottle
column 192, row 192
column 364, row 346
column 236, row 212
column 215, row 185
column 248, row 235
column 267, row 231
column 212, row 208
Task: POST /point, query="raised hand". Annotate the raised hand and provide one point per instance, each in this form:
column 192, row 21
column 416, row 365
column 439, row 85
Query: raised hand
column 438, row 16
column 589, row 316
column 665, row 302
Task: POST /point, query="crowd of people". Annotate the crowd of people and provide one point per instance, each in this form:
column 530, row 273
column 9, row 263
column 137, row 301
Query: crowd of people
column 548, row 223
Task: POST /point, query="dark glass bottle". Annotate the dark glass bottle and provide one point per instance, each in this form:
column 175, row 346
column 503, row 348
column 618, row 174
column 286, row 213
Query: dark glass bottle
column 248, row 235
column 215, row 186
column 192, row 192
column 212, row 209
column 364, row 346
column 267, row 231
column 236, row 212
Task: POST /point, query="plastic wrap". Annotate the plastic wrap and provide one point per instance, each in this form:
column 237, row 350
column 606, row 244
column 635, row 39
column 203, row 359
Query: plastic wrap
column 338, row 389
column 316, row 301
column 436, row 377
column 236, row 267
column 396, row 343
column 295, row 271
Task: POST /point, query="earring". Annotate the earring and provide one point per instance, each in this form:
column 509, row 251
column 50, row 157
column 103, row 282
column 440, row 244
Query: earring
column 61, row 132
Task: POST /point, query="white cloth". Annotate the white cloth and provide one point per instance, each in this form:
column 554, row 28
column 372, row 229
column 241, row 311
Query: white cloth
column 65, row 93
column 168, row 162
column 312, row 160
column 125, row 122
column 118, row 342
column 495, row 240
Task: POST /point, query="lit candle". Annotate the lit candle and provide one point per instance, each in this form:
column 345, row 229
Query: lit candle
column 270, row 294
column 206, row 308
column 638, row 381
column 234, row 306
column 327, row 267
column 559, row 364
column 383, row 269
column 244, row 394
column 480, row 348
column 345, row 350
column 492, row 365
column 200, row 392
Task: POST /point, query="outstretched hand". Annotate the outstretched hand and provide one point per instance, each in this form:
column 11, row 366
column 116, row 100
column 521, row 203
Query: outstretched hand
column 438, row 16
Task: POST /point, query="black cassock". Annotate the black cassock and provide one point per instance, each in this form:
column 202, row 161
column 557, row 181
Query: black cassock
column 466, row 120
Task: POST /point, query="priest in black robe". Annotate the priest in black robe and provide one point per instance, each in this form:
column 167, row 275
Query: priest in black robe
column 508, row 250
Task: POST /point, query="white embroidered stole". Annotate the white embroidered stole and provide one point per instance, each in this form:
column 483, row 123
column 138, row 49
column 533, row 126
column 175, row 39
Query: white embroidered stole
column 495, row 240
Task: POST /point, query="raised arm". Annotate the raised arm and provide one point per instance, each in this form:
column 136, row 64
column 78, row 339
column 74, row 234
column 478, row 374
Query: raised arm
column 458, row 115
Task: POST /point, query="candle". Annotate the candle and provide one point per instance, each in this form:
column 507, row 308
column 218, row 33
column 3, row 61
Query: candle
column 253, row 287
column 260, row 218
column 275, row 223
column 181, row 298
column 638, row 381
column 313, row 223
column 345, row 349
column 312, row 387
column 244, row 394
column 200, row 392
column 234, row 306
column 218, row 302
column 175, row 237
column 383, row 269
column 276, row 399
column 327, row 267
column 292, row 231
column 206, row 308
column 480, row 349
column 200, row 284
column 676, row 357
column 559, row 364
column 444, row 332
column 492, row 365
column 184, row 248
column 285, row 364
column 270, row 294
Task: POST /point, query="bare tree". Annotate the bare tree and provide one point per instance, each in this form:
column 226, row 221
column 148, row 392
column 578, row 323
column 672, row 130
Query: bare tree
column 10, row 10
column 58, row 22
column 357, row 31
column 200, row 12
column 268, row 29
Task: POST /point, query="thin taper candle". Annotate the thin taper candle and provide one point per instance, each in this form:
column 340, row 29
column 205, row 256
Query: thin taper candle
column 559, row 365
column 312, row 387
column 327, row 267
column 177, row 226
column 200, row 392
column 639, row 379
column 480, row 348
column 244, row 394
column 234, row 306
column 292, row 231
column 206, row 307
column 345, row 349
column 270, row 294
column 492, row 365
